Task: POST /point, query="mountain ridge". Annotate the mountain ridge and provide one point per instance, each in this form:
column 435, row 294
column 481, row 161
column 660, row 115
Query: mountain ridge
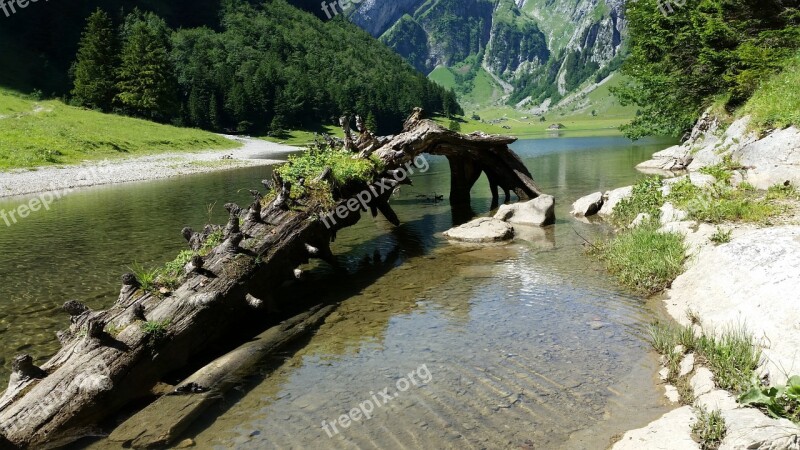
column 534, row 51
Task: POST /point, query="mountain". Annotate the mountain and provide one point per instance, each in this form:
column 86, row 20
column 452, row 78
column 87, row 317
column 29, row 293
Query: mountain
column 518, row 52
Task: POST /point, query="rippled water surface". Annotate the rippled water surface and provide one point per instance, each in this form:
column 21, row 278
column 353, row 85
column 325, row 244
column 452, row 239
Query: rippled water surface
column 528, row 345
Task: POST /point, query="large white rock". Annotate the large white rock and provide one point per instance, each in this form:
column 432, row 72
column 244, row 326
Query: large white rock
column 774, row 159
column 588, row 206
column 611, row 198
column 539, row 211
column 481, row 230
column 670, row 432
column 753, row 280
column 750, row 429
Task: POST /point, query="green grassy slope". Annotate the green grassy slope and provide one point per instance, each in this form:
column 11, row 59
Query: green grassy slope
column 776, row 104
column 39, row 133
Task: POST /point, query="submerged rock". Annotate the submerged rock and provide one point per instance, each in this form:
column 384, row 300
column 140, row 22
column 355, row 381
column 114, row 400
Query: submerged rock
column 481, row 230
column 539, row 211
column 588, row 206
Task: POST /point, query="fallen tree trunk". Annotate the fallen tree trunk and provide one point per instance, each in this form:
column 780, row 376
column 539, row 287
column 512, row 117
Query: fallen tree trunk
column 112, row 357
column 163, row 421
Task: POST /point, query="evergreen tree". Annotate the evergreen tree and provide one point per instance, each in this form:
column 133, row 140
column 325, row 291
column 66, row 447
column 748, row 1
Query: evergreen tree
column 93, row 70
column 371, row 122
column 146, row 80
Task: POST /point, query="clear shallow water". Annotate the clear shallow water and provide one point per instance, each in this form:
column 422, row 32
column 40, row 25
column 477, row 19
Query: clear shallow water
column 529, row 345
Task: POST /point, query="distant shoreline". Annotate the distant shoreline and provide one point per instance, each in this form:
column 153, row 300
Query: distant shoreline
column 61, row 180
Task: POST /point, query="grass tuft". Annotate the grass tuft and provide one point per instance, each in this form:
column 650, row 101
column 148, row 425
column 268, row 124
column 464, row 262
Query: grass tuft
column 710, row 429
column 643, row 258
column 721, row 236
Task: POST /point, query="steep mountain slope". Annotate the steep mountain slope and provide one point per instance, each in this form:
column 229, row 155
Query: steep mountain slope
column 530, row 50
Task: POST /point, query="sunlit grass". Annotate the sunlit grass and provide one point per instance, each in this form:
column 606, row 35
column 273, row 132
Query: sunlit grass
column 40, row 133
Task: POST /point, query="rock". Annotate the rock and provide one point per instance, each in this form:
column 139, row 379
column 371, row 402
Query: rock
column 671, row 392
column 716, row 399
column 702, row 180
column 611, row 198
column 671, row 214
column 186, row 443
column 679, row 349
column 672, row 159
column 663, row 374
column 749, row 428
column 481, row 230
column 752, row 280
column 773, row 159
column 702, row 381
column 713, row 152
column 544, row 238
column 640, row 219
column 670, row 432
column 588, row 206
column 539, row 211
column 687, row 365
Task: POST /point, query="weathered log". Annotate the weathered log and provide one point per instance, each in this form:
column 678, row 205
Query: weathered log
column 97, row 373
column 163, row 421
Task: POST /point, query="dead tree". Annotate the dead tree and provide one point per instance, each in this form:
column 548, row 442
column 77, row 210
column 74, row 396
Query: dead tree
column 112, row 357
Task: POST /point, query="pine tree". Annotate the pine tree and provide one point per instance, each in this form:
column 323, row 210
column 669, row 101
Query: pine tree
column 94, row 67
column 146, row 79
column 372, row 122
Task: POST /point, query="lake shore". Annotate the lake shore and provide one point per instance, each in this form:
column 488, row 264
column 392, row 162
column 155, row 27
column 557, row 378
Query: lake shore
column 60, row 180
column 738, row 285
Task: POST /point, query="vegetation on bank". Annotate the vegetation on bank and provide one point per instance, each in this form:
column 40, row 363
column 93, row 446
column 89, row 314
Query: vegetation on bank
column 40, row 133
column 777, row 103
column 643, row 258
column 733, row 358
column 646, row 259
column 706, row 52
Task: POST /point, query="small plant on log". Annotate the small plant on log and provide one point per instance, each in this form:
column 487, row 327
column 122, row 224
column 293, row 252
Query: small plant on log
column 154, row 329
column 302, row 170
column 213, row 240
column 145, row 277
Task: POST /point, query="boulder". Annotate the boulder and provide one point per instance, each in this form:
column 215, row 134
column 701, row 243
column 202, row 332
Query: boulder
column 752, row 280
column 481, row 230
column 611, row 198
column 539, row 212
column 749, row 428
column 773, row 159
column 588, row 206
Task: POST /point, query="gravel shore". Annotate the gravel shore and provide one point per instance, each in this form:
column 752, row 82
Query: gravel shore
column 253, row 152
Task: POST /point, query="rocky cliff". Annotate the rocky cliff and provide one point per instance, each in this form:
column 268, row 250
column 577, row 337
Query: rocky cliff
column 533, row 49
